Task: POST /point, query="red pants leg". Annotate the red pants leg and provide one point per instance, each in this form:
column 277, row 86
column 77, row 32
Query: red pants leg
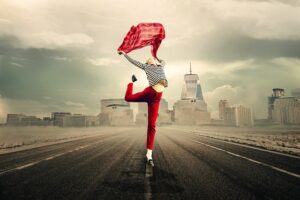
column 152, row 97
column 137, row 97
column 153, row 108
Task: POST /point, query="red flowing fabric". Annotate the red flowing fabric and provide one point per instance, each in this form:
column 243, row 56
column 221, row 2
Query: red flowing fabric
column 142, row 35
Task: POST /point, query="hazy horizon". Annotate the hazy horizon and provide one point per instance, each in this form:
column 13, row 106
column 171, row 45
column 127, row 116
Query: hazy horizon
column 61, row 56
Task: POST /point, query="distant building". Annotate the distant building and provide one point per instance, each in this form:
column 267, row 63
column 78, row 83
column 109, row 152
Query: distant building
column 57, row 118
column 191, row 109
column 222, row 105
column 141, row 117
column 48, row 120
column 191, row 89
column 78, row 120
column 277, row 93
column 115, row 112
column 296, row 93
column 244, row 116
column 229, row 116
column 31, row 121
column 191, row 112
column 235, row 115
column 287, row 111
column 14, row 119
column 164, row 116
column 23, row 120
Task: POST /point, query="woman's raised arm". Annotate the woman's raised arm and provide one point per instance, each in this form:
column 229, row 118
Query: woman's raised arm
column 135, row 62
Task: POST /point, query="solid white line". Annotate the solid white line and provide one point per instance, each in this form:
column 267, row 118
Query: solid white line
column 249, row 159
column 248, row 146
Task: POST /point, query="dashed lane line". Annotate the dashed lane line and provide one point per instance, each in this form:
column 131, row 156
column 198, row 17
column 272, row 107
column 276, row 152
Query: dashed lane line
column 148, row 175
column 45, row 159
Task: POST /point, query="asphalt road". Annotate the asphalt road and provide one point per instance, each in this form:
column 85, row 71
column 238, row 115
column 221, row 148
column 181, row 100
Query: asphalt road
column 112, row 166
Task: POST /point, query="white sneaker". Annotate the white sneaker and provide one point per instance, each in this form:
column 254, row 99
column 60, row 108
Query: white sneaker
column 150, row 162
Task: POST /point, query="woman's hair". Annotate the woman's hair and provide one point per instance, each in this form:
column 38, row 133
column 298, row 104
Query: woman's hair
column 163, row 82
column 153, row 61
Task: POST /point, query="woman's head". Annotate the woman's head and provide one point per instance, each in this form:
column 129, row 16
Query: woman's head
column 153, row 61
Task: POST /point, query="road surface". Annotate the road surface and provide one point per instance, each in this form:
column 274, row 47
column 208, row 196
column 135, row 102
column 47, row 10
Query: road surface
column 112, row 166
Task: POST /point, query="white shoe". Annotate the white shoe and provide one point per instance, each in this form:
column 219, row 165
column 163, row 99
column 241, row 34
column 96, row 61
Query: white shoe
column 150, row 162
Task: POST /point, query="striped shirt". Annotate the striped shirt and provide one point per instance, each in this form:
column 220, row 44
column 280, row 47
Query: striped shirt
column 154, row 73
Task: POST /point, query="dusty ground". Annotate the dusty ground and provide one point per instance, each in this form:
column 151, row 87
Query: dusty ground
column 280, row 139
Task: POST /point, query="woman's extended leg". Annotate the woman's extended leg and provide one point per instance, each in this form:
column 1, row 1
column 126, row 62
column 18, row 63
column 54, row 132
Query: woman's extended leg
column 137, row 97
column 153, row 108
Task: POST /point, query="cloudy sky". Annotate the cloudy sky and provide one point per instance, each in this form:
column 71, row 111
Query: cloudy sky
column 61, row 55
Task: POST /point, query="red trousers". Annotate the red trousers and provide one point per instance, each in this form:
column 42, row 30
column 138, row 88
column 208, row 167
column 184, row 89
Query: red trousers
column 152, row 98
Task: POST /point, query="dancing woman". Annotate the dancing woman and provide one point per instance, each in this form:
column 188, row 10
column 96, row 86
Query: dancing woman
column 154, row 70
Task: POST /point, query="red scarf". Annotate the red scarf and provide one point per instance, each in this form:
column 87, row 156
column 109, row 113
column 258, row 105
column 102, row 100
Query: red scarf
column 142, row 35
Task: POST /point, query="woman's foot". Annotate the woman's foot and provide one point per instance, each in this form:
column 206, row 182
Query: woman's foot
column 133, row 78
column 150, row 162
column 149, row 157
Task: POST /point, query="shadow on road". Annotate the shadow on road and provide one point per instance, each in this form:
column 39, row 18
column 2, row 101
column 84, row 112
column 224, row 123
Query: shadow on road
column 164, row 182
column 161, row 182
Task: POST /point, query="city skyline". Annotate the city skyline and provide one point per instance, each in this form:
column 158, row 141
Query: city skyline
column 56, row 60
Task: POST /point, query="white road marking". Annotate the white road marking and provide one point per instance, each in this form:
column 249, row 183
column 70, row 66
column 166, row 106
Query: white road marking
column 45, row 159
column 195, row 132
column 252, row 160
column 248, row 146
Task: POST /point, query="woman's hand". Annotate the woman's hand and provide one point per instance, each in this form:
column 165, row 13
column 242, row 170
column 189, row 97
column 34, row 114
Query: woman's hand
column 121, row 52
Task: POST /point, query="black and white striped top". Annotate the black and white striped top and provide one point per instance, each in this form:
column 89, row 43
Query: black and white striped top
column 154, row 73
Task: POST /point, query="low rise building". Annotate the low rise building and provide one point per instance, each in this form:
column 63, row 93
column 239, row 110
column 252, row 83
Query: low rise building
column 222, row 105
column 115, row 112
column 14, row 119
column 164, row 115
column 235, row 115
column 191, row 112
column 244, row 116
column 57, row 118
column 287, row 111
column 141, row 117
column 79, row 120
column 277, row 93
column 24, row 120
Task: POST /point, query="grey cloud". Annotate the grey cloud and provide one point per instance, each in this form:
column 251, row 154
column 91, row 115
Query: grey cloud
column 226, row 45
column 71, row 79
column 205, row 31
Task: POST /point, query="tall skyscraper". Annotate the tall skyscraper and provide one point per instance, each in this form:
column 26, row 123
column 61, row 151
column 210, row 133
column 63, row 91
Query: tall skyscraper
column 191, row 88
column 191, row 108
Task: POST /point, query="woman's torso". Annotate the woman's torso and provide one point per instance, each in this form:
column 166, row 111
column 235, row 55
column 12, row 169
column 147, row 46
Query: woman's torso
column 156, row 75
column 160, row 86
